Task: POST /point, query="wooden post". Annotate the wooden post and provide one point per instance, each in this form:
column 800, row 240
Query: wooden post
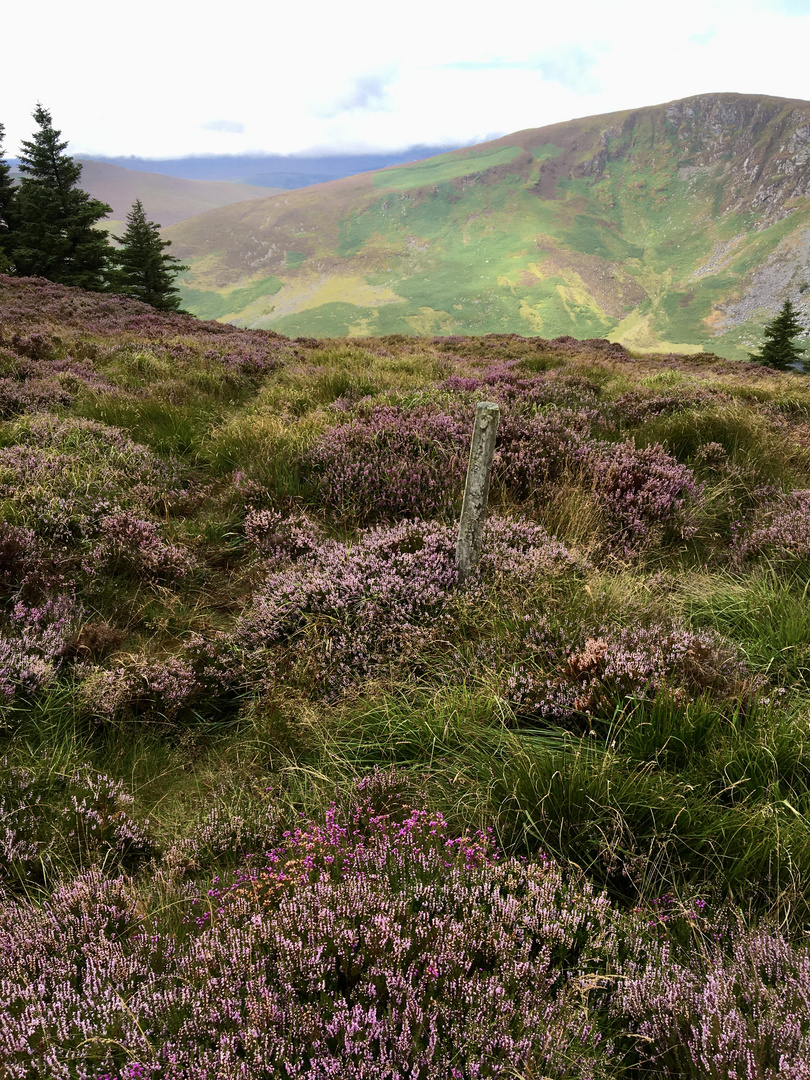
column 476, row 490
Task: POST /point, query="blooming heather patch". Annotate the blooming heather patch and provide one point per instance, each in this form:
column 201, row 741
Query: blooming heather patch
column 82, row 817
column 32, row 643
column 56, row 343
column 392, row 463
column 93, row 443
column 26, row 573
column 507, row 384
column 740, row 1008
column 636, row 406
column 523, row 551
column 31, row 383
column 133, row 544
column 397, row 462
column 60, row 476
column 396, row 950
column 79, row 491
column 279, row 538
column 32, row 395
column 160, row 688
column 644, row 493
column 33, row 308
column 373, row 945
column 534, row 454
column 151, row 688
column 349, row 608
column 778, row 530
column 588, row 675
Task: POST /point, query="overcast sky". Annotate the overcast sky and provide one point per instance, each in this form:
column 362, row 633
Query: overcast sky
column 167, row 78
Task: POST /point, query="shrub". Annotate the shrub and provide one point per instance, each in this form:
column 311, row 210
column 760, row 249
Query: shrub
column 644, row 493
column 161, row 688
column 523, row 552
column 60, row 478
column 32, row 644
column 25, row 570
column 371, row 945
column 534, row 455
column 508, row 384
column 133, row 544
column 344, row 953
column 349, row 609
column 356, row 604
column 739, row 1007
column 280, row 539
column 778, row 530
column 50, row 819
column 589, row 676
column 140, row 686
column 391, row 464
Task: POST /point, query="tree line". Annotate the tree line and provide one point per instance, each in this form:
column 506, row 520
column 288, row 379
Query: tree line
column 49, row 228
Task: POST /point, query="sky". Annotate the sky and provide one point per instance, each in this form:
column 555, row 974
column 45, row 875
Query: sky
column 170, row 78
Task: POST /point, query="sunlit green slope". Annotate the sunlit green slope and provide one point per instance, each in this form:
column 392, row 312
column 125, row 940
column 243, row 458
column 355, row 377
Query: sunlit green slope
column 674, row 227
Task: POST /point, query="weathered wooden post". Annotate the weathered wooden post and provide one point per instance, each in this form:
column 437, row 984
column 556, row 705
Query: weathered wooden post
column 476, row 490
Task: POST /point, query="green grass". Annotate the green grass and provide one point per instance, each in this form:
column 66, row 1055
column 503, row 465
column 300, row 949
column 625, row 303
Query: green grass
column 170, row 429
column 207, row 304
column 294, row 259
column 445, row 167
column 768, row 615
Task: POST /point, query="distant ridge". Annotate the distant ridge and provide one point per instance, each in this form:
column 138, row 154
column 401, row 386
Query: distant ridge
column 674, row 227
column 166, row 199
column 287, row 171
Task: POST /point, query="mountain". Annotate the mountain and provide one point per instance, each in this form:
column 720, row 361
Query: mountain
column 166, row 199
column 286, row 171
column 677, row 227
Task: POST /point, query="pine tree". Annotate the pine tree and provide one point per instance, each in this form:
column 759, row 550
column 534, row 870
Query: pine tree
column 7, row 197
column 54, row 235
column 143, row 269
column 778, row 348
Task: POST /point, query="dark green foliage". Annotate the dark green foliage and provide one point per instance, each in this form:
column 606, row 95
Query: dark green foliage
column 7, row 195
column 143, row 270
column 779, row 349
column 55, row 235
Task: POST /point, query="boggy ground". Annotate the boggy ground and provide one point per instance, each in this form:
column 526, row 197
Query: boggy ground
column 280, row 797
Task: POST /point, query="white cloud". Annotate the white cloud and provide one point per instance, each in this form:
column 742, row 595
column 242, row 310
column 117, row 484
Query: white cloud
column 230, row 127
column 365, row 92
column 355, row 76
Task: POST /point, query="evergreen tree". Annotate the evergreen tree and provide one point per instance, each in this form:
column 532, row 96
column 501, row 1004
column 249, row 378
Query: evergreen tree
column 778, row 347
column 143, row 269
column 7, row 196
column 54, row 234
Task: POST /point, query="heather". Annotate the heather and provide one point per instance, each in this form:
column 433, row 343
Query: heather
column 280, row 796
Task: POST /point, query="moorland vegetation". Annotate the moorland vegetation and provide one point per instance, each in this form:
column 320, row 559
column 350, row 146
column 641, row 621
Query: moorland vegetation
column 280, row 797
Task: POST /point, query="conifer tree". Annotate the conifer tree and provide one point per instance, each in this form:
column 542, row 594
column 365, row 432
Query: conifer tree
column 7, row 196
column 778, row 348
column 54, row 234
column 144, row 270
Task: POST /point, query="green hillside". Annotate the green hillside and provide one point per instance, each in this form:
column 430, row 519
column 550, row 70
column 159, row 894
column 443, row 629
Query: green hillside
column 675, row 227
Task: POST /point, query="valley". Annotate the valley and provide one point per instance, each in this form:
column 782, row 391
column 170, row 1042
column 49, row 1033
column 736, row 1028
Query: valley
column 670, row 228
